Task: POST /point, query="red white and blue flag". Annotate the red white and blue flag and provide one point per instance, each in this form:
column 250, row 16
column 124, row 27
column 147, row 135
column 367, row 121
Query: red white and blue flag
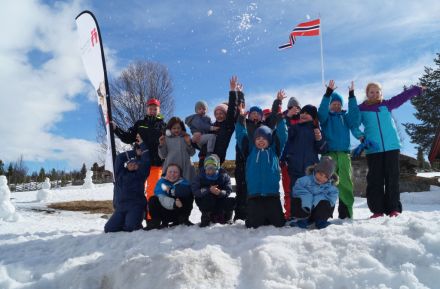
column 310, row 28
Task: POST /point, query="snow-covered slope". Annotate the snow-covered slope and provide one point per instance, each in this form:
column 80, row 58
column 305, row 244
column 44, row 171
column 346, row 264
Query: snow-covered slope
column 70, row 250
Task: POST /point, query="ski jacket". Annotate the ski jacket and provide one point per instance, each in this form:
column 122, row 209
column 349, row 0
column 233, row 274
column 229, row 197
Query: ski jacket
column 167, row 192
column 336, row 126
column 311, row 192
column 290, row 121
column 302, row 149
column 199, row 123
column 177, row 151
column 129, row 185
column 379, row 125
column 150, row 129
column 201, row 184
column 262, row 165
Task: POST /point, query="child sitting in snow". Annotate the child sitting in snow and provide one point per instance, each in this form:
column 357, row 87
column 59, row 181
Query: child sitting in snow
column 131, row 170
column 200, row 123
column 263, row 173
column 314, row 195
column 212, row 187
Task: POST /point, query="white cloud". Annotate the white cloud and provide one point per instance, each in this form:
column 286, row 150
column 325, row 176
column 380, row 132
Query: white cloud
column 34, row 98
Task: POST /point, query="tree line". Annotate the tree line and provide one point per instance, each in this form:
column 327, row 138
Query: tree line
column 18, row 173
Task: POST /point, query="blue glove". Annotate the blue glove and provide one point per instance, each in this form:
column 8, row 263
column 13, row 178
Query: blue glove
column 370, row 145
column 358, row 150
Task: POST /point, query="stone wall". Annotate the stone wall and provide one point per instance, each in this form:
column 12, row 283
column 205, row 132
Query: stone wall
column 409, row 182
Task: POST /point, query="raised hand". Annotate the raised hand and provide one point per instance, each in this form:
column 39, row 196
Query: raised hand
column 281, row 95
column 331, row 85
column 233, row 82
column 351, row 87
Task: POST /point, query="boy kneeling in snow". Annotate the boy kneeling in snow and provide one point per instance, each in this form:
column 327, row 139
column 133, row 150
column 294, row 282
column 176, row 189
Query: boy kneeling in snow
column 314, row 195
column 212, row 187
column 131, row 170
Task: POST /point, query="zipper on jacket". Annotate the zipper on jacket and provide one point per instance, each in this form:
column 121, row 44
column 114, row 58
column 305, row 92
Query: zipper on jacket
column 380, row 131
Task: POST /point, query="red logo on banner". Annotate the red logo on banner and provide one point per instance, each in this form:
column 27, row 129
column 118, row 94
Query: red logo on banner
column 94, row 36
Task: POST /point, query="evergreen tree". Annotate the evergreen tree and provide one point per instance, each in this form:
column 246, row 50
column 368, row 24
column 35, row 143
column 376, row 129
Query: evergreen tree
column 41, row 175
column 428, row 109
column 10, row 174
column 2, row 168
column 83, row 171
column 420, row 158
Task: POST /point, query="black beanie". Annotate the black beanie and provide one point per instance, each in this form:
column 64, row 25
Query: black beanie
column 311, row 110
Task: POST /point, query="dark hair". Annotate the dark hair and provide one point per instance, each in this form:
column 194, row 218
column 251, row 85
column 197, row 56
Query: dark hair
column 175, row 120
column 173, row 165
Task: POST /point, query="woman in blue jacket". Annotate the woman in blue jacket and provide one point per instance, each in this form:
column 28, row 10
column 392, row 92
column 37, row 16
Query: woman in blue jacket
column 383, row 156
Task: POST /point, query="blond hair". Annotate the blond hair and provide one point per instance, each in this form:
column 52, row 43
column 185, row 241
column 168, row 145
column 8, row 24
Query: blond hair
column 373, row 84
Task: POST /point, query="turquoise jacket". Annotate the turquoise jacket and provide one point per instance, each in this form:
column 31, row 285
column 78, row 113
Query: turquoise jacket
column 336, row 126
column 379, row 126
column 311, row 193
column 262, row 165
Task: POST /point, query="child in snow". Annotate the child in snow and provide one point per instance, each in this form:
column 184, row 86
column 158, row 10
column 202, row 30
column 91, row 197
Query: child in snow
column 336, row 125
column 175, row 147
column 384, row 149
column 314, row 195
column 131, row 170
column 211, row 189
column 304, row 143
column 262, row 172
column 200, row 124
column 172, row 201
column 291, row 115
column 253, row 121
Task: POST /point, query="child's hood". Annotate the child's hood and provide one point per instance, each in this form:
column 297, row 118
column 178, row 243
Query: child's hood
column 334, row 179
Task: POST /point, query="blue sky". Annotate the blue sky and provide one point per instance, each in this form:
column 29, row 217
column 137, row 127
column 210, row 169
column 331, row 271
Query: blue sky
column 48, row 109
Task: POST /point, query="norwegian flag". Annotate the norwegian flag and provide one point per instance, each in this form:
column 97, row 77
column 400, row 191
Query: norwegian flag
column 310, row 28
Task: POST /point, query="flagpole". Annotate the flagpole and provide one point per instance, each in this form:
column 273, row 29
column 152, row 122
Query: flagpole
column 322, row 54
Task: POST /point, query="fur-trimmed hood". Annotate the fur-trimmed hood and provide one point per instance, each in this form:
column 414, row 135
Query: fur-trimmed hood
column 334, row 179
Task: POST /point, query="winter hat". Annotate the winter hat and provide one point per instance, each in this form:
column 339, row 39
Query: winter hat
column 222, row 107
column 336, row 97
column 263, row 131
column 199, row 104
column 257, row 109
column 326, row 166
column 153, row 101
column 132, row 160
column 311, row 110
column 267, row 111
column 212, row 161
column 293, row 102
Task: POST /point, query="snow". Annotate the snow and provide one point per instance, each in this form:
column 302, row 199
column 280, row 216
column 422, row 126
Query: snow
column 70, row 250
column 7, row 209
column 88, row 183
column 429, row 174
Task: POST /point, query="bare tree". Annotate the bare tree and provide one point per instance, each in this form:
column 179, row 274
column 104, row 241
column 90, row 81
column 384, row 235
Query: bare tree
column 139, row 82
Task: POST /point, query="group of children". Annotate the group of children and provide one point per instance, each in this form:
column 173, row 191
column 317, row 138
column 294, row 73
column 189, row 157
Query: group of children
column 269, row 147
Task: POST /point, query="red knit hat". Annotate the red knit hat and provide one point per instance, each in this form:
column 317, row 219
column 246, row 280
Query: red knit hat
column 267, row 111
column 153, row 101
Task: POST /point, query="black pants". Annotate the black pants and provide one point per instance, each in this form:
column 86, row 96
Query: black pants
column 383, row 170
column 321, row 212
column 264, row 211
column 241, row 191
column 211, row 203
column 177, row 215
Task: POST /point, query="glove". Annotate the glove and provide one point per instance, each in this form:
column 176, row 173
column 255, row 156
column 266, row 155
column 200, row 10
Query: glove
column 371, row 145
column 358, row 150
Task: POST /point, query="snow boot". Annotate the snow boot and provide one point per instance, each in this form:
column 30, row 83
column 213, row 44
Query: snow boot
column 205, row 220
column 321, row 224
column 376, row 215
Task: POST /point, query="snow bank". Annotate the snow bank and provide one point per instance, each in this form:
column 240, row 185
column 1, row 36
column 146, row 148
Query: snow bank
column 68, row 249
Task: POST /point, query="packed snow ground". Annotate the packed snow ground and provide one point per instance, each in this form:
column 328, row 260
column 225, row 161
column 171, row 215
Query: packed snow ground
column 69, row 250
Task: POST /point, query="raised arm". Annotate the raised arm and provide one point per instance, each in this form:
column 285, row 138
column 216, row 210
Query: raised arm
column 403, row 97
column 323, row 109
